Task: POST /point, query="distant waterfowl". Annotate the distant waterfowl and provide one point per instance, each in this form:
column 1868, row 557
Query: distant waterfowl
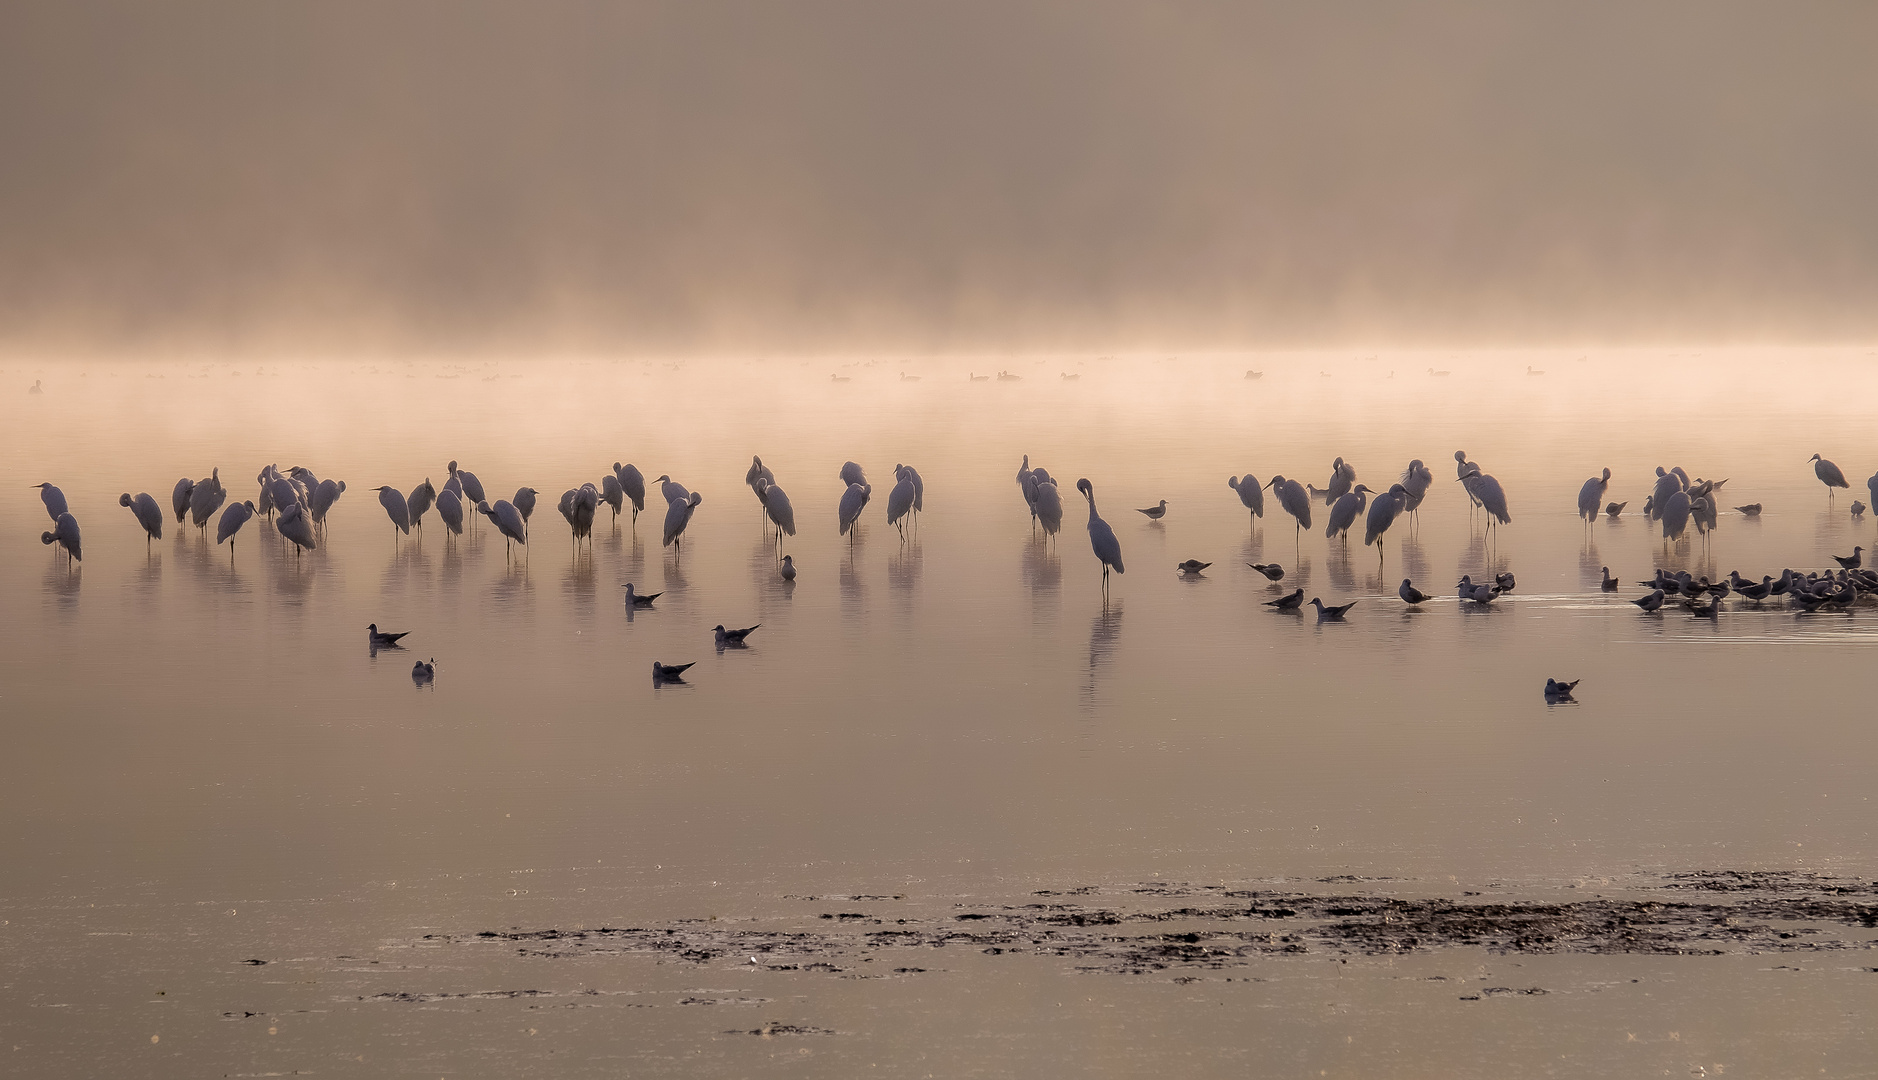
column 1155, row 513
column 148, row 514
column 294, row 524
column 1005, row 376
column 1437, row 374
column 1191, row 566
column 1251, row 494
column 424, row 670
column 1591, row 494
column 1410, row 594
column 1271, row 571
column 1530, row 371
column 732, row 637
column 35, row 388
column 839, row 378
column 633, row 599
column 977, row 378
column 1331, row 613
column 1652, row 602
column 669, row 672
column 233, row 518
column 382, row 640
column 508, row 521
column 1101, row 537
column 904, row 377
column 1068, row 377
column 1828, row 474
column 1616, row 509
column 789, row 568
column 1609, row 584
column 1254, row 374
column 1852, row 561
column 1558, row 691
column 65, row 534
column 1287, row 603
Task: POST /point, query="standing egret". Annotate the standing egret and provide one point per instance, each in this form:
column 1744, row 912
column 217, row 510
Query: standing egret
column 1155, row 513
column 633, row 484
column 1293, row 500
column 1027, row 486
column 1828, row 474
column 1343, row 514
column 777, row 507
column 323, row 499
column 65, row 534
column 1049, row 507
column 395, row 508
column 179, row 498
column 1101, row 538
column 919, row 491
column 900, row 502
column 294, row 524
column 205, row 499
column 1342, row 475
column 422, row 498
column 284, row 492
column 586, row 505
column 1251, row 494
column 758, row 471
column 1871, row 485
column 852, row 502
column 672, row 490
column 613, row 495
column 450, row 509
column 851, row 474
column 233, row 518
column 1591, row 495
column 524, row 502
column 1667, row 484
column 148, row 513
column 677, row 516
column 1415, row 481
column 1461, row 468
column 508, row 521
column 472, row 487
column 1675, row 516
column 1382, row 514
column 1487, row 492
column 54, row 500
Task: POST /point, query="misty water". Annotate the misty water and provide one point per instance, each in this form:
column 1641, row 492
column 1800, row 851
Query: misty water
column 951, row 812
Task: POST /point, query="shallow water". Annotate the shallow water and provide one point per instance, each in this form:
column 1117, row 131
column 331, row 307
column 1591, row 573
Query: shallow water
column 206, row 766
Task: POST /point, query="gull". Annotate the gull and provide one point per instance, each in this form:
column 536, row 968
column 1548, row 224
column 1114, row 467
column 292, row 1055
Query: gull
column 1858, row 508
column 1330, row 613
column 1852, row 561
column 1155, row 513
column 732, row 637
column 633, row 599
column 1610, row 583
column 1612, row 510
column 789, row 568
column 147, row 512
column 1287, row 603
column 54, row 500
column 1504, row 582
column 1251, row 493
column 424, row 670
column 65, row 534
column 380, row 640
column 1652, row 602
column 1272, row 571
column 1191, row 566
column 668, row 672
column 1828, row 474
column 1558, row 691
column 1591, row 494
column 1410, row 594
column 1750, row 510
column 1757, row 593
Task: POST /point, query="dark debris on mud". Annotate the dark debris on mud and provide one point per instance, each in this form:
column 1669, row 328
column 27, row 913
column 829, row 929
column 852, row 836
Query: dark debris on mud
column 1215, row 927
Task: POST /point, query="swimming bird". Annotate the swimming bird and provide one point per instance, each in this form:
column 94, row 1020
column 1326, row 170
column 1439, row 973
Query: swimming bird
column 1750, row 510
column 1191, row 566
column 632, row 483
column 1343, row 514
column 1287, row 603
column 977, row 378
column 1049, row 507
column 1504, row 582
column 65, row 534
column 147, row 512
column 1328, row 613
column 1067, row 376
column 1438, row 374
column 450, row 509
column 904, row 377
column 233, row 518
column 1101, row 538
column 1852, row 561
column 395, row 507
column 900, row 502
column 54, row 500
column 424, row 670
column 1155, row 513
column 633, row 599
column 322, row 499
column 1410, row 594
column 380, row 640
column 1652, row 602
column 1250, row 374
column 1591, row 494
column 524, row 502
column 294, row 524
column 662, row 673
column 35, row 388
column 508, row 521
column 1828, row 474
column 732, row 637
column 179, row 498
column 1530, row 371
column 1858, row 508
column 839, row 378
column 1251, row 494
column 1612, row 510
column 421, row 499
column 1609, row 583
column 853, row 501
column 1557, row 691
column 789, row 568
column 1272, row 571
column 1005, row 376
column 1293, row 500
column 677, row 517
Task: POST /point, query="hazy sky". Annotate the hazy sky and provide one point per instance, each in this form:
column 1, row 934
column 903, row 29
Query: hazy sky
column 959, row 175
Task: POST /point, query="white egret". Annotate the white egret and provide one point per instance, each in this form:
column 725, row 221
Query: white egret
column 1027, row 485
column 1667, row 484
column 148, row 513
column 586, row 505
column 1155, row 513
column 524, row 502
column 789, row 568
column 757, row 471
column 1251, row 494
column 852, row 502
column 633, row 483
column 421, row 499
column 233, row 518
column 732, row 637
column 1331, row 614
column 613, row 495
column 919, row 491
column 1293, row 500
column 777, row 508
column 395, row 508
column 1343, row 513
column 1382, row 513
column 1828, row 474
column 179, row 498
column 1049, row 507
column 54, row 500
column 206, row 498
column 1415, row 481
column 1487, row 491
column 1342, row 476
column 294, row 524
column 1591, row 495
column 508, row 521
column 851, row 474
column 1675, row 516
column 283, row 492
column 450, row 509
column 327, row 494
column 65, row 534
column 672, row 490
column 900, row 502
column 677, row 516
column 472, row 487
column 1101, row 538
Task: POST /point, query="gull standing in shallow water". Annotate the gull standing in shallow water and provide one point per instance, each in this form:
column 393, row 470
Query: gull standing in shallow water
column 1271, row 571
column 789, row 569
column 1101, row 538
column 1292, row 602
column 1155, row 513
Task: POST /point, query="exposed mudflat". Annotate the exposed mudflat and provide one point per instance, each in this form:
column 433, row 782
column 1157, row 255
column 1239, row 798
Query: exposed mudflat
column 1139, row 930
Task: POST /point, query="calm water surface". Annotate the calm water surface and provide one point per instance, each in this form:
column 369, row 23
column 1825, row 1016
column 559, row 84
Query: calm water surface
column 205, row 766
